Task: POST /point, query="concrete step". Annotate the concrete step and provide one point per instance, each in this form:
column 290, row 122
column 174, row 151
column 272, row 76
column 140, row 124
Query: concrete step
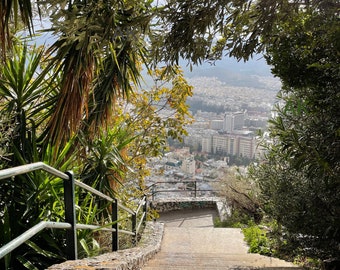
column 204, row 240
column 224, row 267
column 189, row 248
column 216, row 261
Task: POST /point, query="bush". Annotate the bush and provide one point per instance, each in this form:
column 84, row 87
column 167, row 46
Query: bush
column 257, row 239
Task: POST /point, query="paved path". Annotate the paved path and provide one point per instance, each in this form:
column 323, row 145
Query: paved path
column 191, row 242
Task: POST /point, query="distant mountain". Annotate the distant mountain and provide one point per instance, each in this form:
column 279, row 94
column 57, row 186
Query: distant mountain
column 232, row 72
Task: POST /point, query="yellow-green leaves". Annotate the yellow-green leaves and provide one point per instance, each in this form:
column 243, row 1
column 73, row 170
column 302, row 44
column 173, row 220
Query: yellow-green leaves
column 154, row 115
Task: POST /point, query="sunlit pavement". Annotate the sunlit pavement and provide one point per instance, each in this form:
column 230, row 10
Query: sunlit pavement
column 191, row 242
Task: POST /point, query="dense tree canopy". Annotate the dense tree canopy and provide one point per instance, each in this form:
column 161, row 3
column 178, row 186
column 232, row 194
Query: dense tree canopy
column 97, row 58
column 300, row 182
column 101, row 45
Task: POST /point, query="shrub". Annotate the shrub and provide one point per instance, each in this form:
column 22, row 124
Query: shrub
column 257, row 239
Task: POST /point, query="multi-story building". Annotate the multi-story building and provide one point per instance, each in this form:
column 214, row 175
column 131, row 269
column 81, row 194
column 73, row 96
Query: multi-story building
column 246, row 147
column 189, row 166
column 228, row 123
column 233, row 121
column 207, row 144
column 219, row 144
column 231, row 144
column 238, row 120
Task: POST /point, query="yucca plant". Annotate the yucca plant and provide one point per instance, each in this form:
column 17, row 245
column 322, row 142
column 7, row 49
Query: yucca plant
column 26, row 97
column 104, row 161
column 104, row 169
column 98, row 53
column 27, row 200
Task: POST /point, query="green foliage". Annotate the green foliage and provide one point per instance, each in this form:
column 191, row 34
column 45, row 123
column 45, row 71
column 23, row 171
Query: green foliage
column 257, row 240
column 237, row 28
column 97, row 57
column 22, row 86
column 27, row 200
column 104, row 164
column 153, row 116
column 27, row 96
column 310, row 44
column 271, row 239
column 98, row 53
column 299, row 180
column 17, row 14
column 91, row 249
column 182, row 32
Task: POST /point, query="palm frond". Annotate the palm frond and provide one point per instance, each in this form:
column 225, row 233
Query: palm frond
column 26, row 263
column 118, row 75
column 76, row 66
column 98, row 55
column 10, row 13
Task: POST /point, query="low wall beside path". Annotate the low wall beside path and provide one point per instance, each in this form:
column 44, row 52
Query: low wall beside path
column 183, row 203
column 150, row 243
column 126, row 259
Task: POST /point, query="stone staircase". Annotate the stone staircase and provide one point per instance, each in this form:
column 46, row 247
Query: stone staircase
column 187, row 241
column 192, row 243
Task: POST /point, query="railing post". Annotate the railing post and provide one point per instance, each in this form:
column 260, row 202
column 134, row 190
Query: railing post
column 145, row 209
column 153, row 192
column 195, row 189
column 70, row 217
column 134, row 228
column 115, row 243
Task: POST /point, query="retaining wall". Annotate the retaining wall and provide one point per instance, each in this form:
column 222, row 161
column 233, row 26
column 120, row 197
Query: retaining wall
column 127, row 259
column 166, row 205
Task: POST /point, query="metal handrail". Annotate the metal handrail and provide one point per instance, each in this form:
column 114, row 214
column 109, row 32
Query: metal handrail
column 126, row 208
column 93, row 190
column 70, row 224
column 194, row 189
column 10, row 172
column 142, row 203
column 30, row 233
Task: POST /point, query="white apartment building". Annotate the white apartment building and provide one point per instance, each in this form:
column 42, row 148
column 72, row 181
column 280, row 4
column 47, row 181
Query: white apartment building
column 219, row 144
column 207, row 144
column 238, row 120
column 228, row 125
column 201, row 124
column 231, row 145
column 247, row 146
column 233, row 121
column 189, row 166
